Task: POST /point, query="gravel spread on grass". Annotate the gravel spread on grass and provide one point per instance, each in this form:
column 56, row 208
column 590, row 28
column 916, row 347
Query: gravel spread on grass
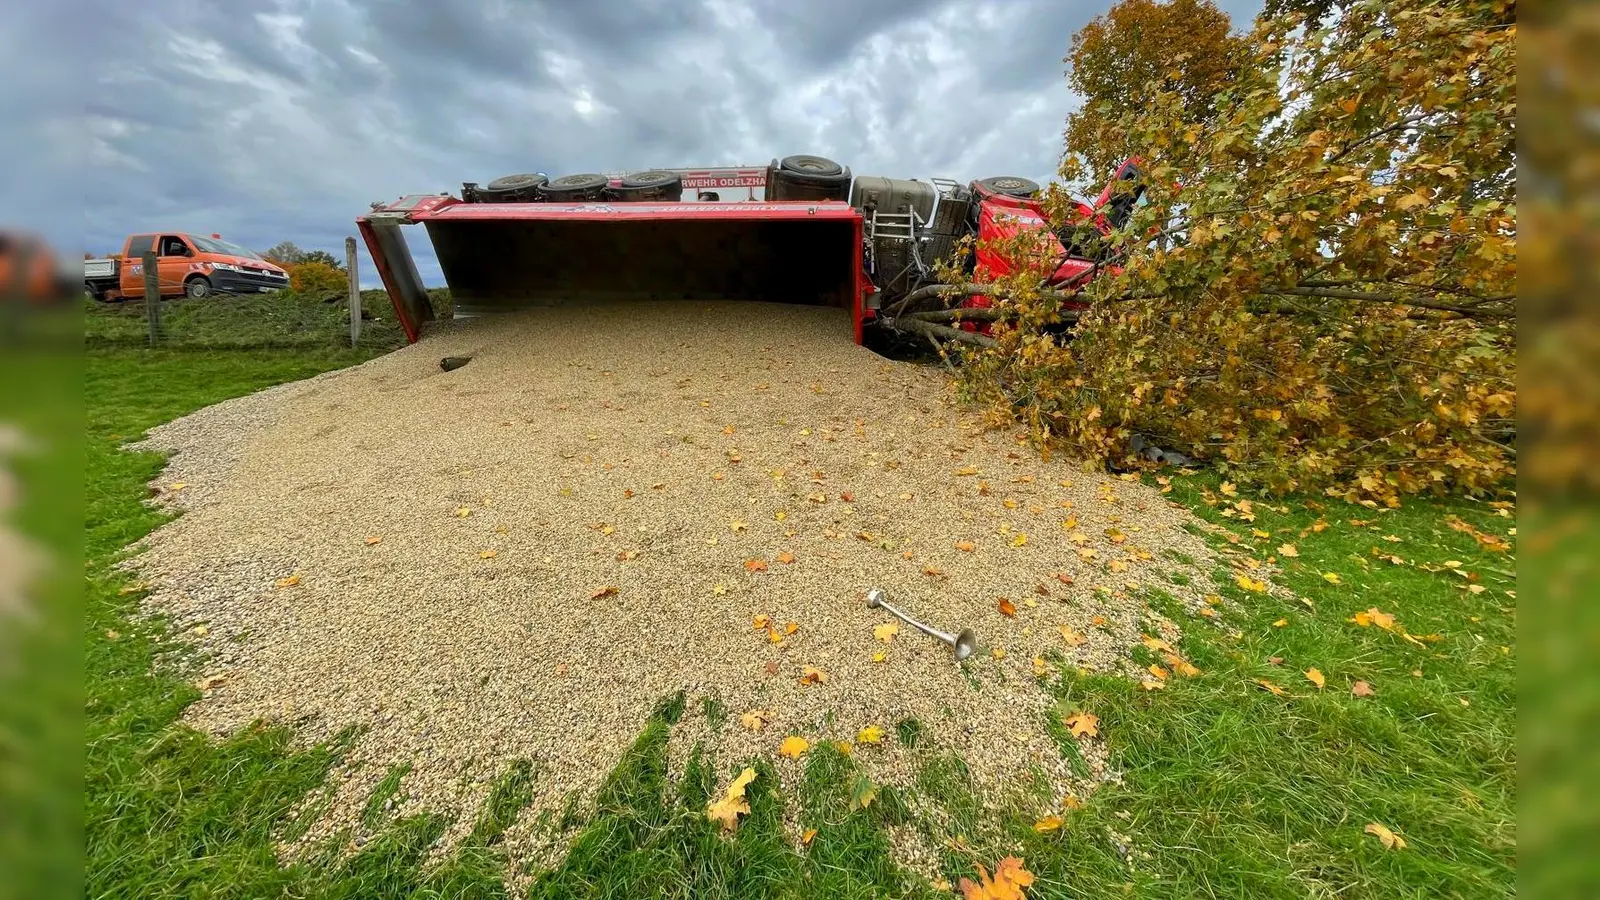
column 611, row 504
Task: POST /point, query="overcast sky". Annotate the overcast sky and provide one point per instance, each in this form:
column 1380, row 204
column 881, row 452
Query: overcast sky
column 270, row 120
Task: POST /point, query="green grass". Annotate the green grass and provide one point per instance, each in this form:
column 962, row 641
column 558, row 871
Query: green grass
column 282, row 320
column 1228, row 790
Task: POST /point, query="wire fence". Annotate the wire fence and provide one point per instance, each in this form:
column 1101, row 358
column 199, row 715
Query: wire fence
column 279, row 320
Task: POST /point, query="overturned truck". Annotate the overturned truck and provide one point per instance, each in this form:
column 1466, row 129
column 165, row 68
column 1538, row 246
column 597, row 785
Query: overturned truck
column 819, row 235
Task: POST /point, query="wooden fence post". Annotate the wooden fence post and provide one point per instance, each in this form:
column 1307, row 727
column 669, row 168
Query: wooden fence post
column 351, row 266
column 152, row 295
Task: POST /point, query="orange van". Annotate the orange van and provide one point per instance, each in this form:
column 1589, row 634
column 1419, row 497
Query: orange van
column 189, row 265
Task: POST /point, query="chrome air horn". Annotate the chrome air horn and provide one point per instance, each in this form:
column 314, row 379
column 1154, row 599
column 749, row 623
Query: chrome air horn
column 963, row 643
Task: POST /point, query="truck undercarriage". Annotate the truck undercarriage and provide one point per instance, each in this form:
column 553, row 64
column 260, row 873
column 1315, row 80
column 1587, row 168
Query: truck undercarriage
column 871, row 245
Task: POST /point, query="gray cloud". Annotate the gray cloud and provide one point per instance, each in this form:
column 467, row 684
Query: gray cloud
column 268, row 120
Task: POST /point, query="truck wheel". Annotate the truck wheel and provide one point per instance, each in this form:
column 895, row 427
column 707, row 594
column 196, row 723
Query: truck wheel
column 810, row 165
column 1009, row 185
column 652, row 185
column 513, row 188
column 575, row 187
column 197, row 288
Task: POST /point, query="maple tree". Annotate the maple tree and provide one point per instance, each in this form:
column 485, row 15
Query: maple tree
column 1124, row 56
column 1317, row 291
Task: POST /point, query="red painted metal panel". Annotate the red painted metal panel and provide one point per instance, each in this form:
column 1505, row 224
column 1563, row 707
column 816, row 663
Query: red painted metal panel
column 390, row 284
column 593, row 212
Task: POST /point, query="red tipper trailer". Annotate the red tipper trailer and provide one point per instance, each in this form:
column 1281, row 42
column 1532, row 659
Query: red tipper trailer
column 820, row 237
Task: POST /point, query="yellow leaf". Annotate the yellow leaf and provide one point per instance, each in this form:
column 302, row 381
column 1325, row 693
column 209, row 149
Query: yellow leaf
column 871, row 734
column 288, row 581
column 966, row 546
column 1314, row 675
column 1280, row 623
column 1156, row 644
column 812, row 675
column 1019, row 540
column 885, row 632
column 733, row 804
column 998, row 653
column 737, row 525
column 1250, row 584
column 1272, row 687
column 487, row 554
column 756, row 719
column 791, row 627
column 1183, row 667
column 1385, row 836
column 1040, row 667
column 1229, row 489
column 780, row 515
column 374, row 540
column 786, row 557
column 1073, row 638
column 844, row 747
column 1374, row 616
column 1083, row 724
column 1048, row 823
column 1007, row 884
column 1260, row 534
column 463, row 512
column 1158, row 672
column 808, row 836
column 794, row 747
column 967, row 470
column 1289, row 550
column 1008, row 503
column 1070, row 522
column 880, row 656
column 1332, row 578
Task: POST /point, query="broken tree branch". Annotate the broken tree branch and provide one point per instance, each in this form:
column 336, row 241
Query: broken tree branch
column 934, row 330
column 970, row 288
column 1369, row 297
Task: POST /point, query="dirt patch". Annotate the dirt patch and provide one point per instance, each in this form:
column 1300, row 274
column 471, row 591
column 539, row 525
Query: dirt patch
column 521, row 557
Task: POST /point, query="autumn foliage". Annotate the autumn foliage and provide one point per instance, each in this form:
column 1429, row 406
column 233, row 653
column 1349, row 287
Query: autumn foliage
column 316, row 278
column 1318, row 292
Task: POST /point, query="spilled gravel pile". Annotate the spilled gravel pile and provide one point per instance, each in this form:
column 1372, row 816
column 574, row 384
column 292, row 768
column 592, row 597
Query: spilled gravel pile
column 611, row 504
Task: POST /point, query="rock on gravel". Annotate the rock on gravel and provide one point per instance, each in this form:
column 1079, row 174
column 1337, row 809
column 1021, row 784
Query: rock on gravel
column 614, row 503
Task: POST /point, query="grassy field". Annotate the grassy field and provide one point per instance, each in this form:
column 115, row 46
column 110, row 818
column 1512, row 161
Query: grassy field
column 1231, row 789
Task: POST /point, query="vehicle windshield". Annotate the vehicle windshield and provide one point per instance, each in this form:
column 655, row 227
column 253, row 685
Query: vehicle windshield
column 212, row 245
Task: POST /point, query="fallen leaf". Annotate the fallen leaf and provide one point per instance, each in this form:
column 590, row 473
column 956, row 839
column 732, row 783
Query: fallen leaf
column 463, row 512
column 1098, row 621
column 998, row 653
column 1040, row 667
column 607, row 591
column 771, row 668
column 871, row 734
column 847, row 497
column 966, row 546
column 1156, row 644
column 1019, row 540
column 733, row 804
column 288, row 581
column 1048, row 823
column 1332, row 578
column 1315, row 676
column 880, row 656
column 1064, row 578
column 1280, row 623
column 967, row 470
column 1272, row 687
column 808, row 836
column 1007, row 608
column 1385, row 836
column 793, row 747
column 1083, row 724
column 737, row 525
column 374, row 541
column 487, row 554
column 885, row 632
column 780, row 515
column 1362, row 689
column 719, row 589
column 864, row 792
column 1073, row 638
column 933, row 571
column 1374, row 616
column 625, row 555
column 1289, row 550
column 786, row 557
column 1274, row 660
column 812, row 675
column 755, row 565
column 756, row 719
column 1250, row 584
column 1009, row 880
column 1229, row 489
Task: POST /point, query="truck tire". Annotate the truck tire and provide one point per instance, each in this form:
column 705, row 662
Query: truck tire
column 652, row 185
column 197, row 288
column 1008, row 185
column 571, row 188
column 513, row 189
column 805, row 164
